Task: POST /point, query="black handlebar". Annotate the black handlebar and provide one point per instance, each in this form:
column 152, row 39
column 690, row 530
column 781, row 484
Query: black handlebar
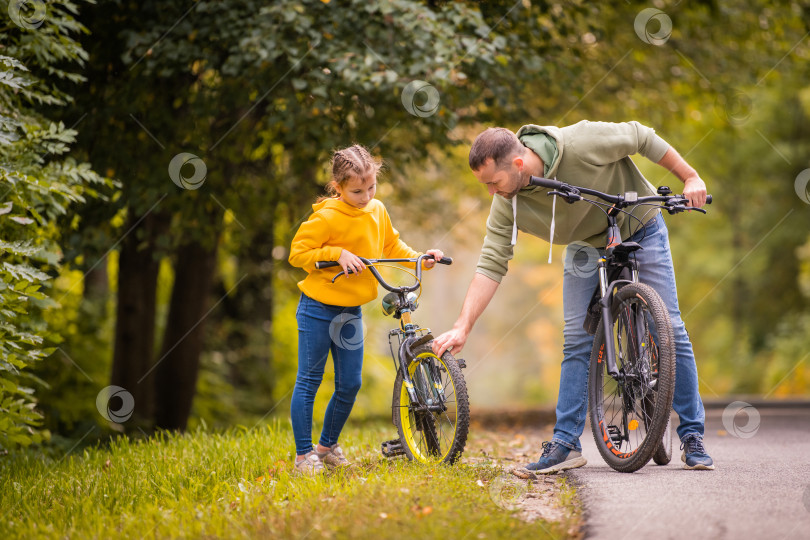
column 328, row 264
column 545, row 182
column 370, row 264
column 573, row 193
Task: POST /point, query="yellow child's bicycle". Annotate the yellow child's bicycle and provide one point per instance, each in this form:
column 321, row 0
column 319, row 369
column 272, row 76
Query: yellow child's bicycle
column 430, row 408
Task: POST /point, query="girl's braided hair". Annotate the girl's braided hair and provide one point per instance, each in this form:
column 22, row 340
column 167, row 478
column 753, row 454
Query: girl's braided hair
column 354, row 161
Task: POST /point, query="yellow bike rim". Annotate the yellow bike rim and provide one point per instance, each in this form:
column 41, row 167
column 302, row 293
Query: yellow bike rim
column 408, row 420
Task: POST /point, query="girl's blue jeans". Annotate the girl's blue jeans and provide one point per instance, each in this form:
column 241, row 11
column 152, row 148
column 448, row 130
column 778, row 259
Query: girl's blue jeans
column 323, row 328
column 655, row 269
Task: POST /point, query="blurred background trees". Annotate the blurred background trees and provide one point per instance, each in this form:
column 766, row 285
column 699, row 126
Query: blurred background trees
column 183, row 297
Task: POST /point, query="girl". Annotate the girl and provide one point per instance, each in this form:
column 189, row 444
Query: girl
column 348, row 223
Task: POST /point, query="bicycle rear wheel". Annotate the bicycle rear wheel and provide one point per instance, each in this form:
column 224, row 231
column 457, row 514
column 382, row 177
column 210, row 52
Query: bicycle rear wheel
column 435, row 429
column 629, row 415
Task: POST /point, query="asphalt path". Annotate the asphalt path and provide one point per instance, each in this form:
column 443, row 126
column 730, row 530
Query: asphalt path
column 760, row 487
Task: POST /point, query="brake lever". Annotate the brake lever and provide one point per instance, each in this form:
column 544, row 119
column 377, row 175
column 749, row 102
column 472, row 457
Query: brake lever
column 340, row 274
column 678, row 208
column 570, row 197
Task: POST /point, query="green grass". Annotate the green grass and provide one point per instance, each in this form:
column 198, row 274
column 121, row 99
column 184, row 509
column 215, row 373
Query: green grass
column 239, row 484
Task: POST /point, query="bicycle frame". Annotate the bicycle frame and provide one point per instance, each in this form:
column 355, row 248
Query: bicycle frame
column 404, row 309
column 617, row 256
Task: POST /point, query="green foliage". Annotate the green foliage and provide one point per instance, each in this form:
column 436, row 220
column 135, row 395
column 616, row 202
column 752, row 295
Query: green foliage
column 39, row 183
column 80, row 366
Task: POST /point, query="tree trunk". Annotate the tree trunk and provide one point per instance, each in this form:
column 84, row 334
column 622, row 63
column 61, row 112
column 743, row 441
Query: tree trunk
column 179, row 361
column 96, row 282
column 135, row 316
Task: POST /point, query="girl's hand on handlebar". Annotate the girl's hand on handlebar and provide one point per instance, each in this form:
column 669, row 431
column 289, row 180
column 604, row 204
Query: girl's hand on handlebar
column 350, row 261
column 694, row 189
column 430, row 263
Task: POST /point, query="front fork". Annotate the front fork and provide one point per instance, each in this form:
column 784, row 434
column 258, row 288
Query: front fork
column 406, row 356
column 606, row 289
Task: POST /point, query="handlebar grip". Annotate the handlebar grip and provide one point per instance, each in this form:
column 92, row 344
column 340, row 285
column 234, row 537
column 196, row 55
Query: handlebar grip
column 325, row 264
column 708, row 199
column 445, row 260
column 545, row 182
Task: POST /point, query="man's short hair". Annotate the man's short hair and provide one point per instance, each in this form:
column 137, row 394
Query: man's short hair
column 499, row 144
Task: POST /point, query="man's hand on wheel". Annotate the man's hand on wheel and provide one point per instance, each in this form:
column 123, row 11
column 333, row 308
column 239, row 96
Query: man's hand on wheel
column 452, row 341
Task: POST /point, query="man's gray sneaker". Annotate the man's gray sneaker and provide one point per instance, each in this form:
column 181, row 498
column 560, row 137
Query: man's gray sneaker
column 694, row 454
column 556, row 458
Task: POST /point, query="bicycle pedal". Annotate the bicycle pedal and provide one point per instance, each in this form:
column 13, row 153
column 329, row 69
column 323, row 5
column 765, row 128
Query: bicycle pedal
column 392, row 448
column 615, row 434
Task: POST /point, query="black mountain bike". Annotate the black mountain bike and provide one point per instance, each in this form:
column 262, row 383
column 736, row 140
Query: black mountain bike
column 631, row 378
column 430, row 408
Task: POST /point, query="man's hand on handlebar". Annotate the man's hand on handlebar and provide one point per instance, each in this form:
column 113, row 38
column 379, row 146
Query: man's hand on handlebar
column 694, row 189
column 350, row 263
column 437, row 255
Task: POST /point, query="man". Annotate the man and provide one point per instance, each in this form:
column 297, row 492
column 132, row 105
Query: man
column 594, row 155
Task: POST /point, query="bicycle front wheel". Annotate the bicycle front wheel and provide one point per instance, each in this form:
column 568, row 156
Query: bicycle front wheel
column 663, row 454
column 629, row 414
column 435, row 428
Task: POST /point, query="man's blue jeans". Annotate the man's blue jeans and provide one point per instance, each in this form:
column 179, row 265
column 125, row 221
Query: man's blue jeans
column 323, row 328
column 655, row 269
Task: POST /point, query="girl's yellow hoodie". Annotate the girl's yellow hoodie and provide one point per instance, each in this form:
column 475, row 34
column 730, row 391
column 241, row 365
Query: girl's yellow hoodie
column 335, row 226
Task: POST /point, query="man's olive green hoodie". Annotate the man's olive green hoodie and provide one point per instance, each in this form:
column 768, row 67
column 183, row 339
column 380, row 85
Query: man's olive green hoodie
column 589, row 154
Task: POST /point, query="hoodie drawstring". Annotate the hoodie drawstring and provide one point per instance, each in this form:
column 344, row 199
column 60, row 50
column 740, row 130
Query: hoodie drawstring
column 551, row 232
